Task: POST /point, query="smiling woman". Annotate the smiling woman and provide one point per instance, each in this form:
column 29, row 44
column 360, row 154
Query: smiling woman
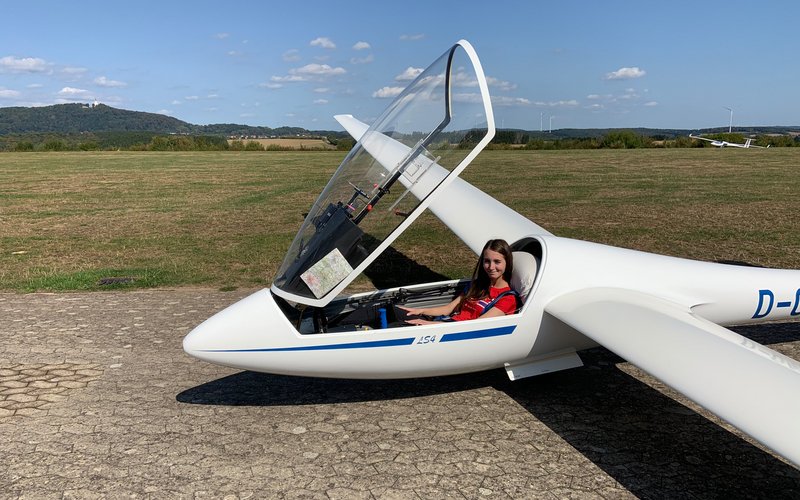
column 489, row 293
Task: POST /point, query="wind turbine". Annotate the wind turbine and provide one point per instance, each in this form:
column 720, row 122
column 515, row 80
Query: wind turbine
column 730, row 124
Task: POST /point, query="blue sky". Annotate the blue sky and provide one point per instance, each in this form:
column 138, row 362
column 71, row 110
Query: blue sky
column 585, row 64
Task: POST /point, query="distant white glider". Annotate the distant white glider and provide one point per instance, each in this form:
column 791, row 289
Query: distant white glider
column 722, row 144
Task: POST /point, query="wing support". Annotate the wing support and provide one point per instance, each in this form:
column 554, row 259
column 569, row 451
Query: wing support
column 539, row 365
column 751, row 386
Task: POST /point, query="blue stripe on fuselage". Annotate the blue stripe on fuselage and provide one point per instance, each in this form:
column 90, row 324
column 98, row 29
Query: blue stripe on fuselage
column 479, row 334
column 449, row 337
column 351, row 345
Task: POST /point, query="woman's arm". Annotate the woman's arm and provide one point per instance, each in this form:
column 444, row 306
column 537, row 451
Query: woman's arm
column 444, row 310
column 495, row 311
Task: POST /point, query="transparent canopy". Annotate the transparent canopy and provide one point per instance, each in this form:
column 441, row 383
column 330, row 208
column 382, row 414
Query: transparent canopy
column 425, row 136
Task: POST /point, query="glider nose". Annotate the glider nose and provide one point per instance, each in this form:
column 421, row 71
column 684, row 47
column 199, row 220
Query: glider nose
column 242, row 325
column 199, row 339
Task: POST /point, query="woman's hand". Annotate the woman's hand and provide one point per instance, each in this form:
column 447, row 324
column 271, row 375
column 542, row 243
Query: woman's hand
column 413, row 311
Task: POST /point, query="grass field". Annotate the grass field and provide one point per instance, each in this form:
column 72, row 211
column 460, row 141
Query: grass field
column 71, row 221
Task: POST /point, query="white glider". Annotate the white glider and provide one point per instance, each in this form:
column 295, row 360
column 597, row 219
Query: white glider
column 721, row 144
column 662, row 313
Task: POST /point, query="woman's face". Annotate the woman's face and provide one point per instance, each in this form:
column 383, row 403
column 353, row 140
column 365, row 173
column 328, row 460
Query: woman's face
column 494, row 264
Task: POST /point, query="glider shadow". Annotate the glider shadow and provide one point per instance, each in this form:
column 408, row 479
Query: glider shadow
column 651, row 444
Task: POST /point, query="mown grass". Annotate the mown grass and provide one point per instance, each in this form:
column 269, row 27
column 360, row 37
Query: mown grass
column 71, row 221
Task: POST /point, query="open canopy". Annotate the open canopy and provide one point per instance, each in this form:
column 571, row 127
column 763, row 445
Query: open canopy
column 423, row 140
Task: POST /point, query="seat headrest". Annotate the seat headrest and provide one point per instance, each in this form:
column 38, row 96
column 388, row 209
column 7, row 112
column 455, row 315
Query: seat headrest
column 523, row 274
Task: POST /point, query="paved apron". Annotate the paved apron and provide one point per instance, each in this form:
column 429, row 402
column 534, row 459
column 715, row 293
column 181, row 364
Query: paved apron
column 97, row 399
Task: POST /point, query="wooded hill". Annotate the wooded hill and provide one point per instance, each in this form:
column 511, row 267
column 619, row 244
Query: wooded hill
column 79, row 118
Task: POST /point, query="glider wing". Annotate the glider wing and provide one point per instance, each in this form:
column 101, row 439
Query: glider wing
column 749, row 385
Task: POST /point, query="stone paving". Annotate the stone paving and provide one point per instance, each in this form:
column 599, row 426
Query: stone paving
column 98, row 400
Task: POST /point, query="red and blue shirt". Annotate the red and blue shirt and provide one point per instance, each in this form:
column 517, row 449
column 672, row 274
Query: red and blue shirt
column 472, row 309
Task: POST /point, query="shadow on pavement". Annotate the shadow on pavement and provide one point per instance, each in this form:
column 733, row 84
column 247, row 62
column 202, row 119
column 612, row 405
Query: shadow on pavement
column 260, row 389
column 651, row 444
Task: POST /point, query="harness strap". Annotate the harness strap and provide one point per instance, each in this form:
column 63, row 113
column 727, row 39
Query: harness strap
column 494, row 301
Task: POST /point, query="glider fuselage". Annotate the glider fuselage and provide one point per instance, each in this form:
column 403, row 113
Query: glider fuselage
column 255, row 333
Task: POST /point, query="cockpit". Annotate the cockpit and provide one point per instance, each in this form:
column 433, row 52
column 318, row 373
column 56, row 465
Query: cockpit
column 400, row 165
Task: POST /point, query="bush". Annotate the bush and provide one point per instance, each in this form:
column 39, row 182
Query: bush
column 625, row 139
column 54, row 145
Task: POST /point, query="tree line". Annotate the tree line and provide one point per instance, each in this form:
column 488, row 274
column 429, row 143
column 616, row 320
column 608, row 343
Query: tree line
column 504, row 139
column 140, row 141
column 629, row 139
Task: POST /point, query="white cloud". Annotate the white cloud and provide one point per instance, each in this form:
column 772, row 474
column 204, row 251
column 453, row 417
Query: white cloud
column 287, row 79
column 314, row 69
column 320, row 101
column 500, row 84
column 323, row 42
column 556, row 104
column 192, row 97
column 322, row 90
column 387, row 92
column 291, row 55
column 10, row 64
column 625, row 74
column 463, row 79
column 650, row 104
column 270, row 85
column 68, row 94
column 8, row 93
column 66, row 91
column 362, row 60
column 470, row 97
column 102, row 81
column 221, row 36
column 418, row 36
column 510, row 101
column 309, row 72
column 409, row 74
column 361, row 46
column 73, row 71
